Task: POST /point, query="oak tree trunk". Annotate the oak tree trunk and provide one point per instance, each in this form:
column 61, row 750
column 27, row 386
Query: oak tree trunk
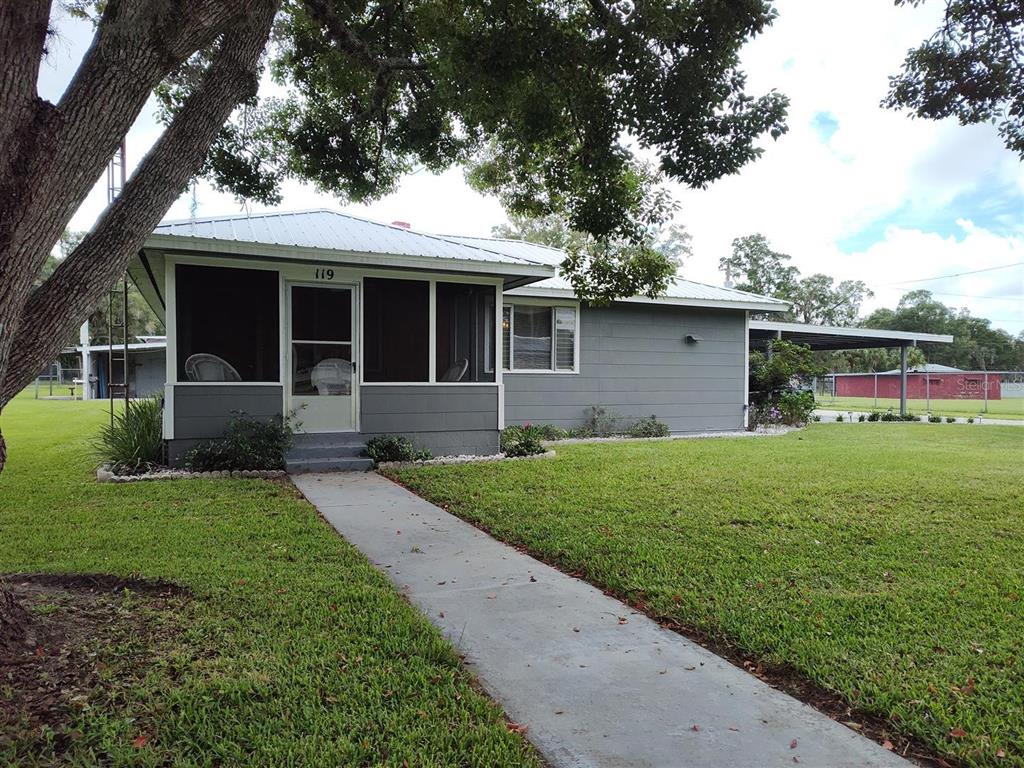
column 52, row 155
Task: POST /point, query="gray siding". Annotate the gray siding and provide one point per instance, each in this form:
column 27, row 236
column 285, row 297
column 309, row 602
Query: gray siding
column 634, row 363
column 445, row 419
column 201, row 412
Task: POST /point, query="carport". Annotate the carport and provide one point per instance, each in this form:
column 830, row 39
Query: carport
column 826, row 338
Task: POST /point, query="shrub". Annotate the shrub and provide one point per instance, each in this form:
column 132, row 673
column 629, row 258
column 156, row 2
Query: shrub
column 599, row 422
column 134, row 442
column 551, row 432
column 816, row 417
column 909, row 417
column 874, row 416
column 862, row 417
column 648, row 427
column 950, row 419
column 795, row 406
column 521, row 441
column 839, row 417
column 970, row 419
column 248, row 443
column 394, row 448
column 935, row 419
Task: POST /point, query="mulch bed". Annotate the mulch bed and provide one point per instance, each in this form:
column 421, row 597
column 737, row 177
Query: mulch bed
column 58, row 639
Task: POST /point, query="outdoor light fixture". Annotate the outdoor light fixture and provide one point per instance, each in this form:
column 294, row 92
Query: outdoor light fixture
column 691, row 339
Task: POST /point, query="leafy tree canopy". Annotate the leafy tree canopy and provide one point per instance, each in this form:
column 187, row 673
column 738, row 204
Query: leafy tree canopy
column 538, row 100
column 971, row 68
column 816, row 299
column 669, row 248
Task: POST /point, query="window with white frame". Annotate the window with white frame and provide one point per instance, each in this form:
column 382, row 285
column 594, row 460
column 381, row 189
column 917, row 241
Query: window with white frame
column 538, row 337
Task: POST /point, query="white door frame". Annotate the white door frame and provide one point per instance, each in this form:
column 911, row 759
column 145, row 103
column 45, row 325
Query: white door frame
column 353, row 289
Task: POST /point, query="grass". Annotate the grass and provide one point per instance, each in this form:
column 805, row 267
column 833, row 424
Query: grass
column 883, row 562
column 1010, row 408
column 293, row 650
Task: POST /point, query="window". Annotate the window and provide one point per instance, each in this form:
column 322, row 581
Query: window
column 464, row 317
column 227, row 324
column 396, row 331
column 538, row 338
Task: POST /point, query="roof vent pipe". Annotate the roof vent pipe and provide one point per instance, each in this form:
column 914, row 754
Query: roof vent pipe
column 402, row 224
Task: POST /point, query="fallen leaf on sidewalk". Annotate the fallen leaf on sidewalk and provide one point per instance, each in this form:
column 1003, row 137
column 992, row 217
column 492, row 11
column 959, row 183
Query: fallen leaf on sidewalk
column 517, row 728
column 792, row 744
column 694, row 727
column 888, row 745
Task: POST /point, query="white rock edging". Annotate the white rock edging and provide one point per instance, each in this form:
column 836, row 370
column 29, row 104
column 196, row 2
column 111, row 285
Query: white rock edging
column 463, row 459
column 104, row 475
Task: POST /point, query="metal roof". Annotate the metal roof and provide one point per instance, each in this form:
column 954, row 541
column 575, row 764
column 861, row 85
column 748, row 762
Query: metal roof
column 332, row 230
column 519, row 249
column 828, row 337
column 680, row 292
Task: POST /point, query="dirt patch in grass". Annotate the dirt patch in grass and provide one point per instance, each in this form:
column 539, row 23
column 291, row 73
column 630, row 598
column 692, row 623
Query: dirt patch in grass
column 79, row 636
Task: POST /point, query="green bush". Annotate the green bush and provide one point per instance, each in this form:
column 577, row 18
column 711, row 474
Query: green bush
column 795, row 406
column 875, row 416
column 599, row 422
column 551, row 432
column 385, row 448
column 522, row 441
column 816, row 417
column 970, row 419
column 950, row 419
column 648, row 427
column 248, row 443
column 935, row 419
column 862, row 417
column 134, row 442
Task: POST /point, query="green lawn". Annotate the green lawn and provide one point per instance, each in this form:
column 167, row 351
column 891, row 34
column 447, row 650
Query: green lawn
column 884, row 562
column 293, row 649
column 1010, row 408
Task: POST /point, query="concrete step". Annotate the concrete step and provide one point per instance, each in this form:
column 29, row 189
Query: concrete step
column 306, row 439
column 326, row 451
column 330, row 464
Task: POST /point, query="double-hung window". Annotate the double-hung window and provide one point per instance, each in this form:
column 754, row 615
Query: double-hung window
column 539, row 338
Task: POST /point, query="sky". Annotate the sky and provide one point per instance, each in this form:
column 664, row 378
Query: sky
column 852, row 190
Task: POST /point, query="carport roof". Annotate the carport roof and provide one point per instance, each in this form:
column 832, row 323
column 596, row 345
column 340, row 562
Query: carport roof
column 826, row 337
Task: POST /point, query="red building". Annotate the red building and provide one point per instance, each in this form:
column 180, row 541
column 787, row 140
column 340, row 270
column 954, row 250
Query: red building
column 939, row 382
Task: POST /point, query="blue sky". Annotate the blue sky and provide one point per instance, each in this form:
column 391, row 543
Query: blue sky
column 852, row 190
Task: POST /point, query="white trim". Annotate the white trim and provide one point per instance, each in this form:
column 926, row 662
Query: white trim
column 171, row 323
column 432, row 332
column 168, row 426
column 535, row 292
column 429, row 384
column 225, row 384
column 499, row 346
column 307, row 254
column 832, row 330
column 286, row 316
column 746, row 369
column 533, row 302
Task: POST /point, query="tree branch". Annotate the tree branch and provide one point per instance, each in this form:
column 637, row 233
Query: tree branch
column 58, row 306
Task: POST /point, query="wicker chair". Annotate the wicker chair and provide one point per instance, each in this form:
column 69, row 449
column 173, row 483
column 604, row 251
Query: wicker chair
column 205, row 367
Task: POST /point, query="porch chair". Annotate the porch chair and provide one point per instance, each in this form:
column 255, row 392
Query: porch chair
column 456, row 371
column 206, row 367
column 332, row 376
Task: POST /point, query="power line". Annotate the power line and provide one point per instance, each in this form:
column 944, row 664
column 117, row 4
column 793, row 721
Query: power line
column 972, row 296
column 959, row 274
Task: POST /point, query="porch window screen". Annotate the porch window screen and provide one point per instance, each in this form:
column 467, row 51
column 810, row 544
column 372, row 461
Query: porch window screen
column 464, row 318
column 227, row 320
column 396, row 330
column 538, row 338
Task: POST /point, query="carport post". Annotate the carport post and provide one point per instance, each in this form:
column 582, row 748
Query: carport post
column 903, row 380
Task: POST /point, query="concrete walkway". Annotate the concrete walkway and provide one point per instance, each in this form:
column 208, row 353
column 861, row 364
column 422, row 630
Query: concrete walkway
column 596, row 683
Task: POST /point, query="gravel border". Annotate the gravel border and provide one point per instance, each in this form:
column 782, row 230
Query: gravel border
column 104, row 475
column 760, row 432
column 464, row 459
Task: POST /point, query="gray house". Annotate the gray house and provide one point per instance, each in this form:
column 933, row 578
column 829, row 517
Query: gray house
column 363, row 328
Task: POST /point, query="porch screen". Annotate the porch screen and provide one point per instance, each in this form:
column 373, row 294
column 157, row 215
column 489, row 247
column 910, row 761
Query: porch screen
column 396, row 330
column 227, row 325
column 465, row 332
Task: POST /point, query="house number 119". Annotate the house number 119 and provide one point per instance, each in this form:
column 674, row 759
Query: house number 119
column 325, row 274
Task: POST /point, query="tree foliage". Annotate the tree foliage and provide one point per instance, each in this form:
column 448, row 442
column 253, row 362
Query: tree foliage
column 971, row 68
column 815, row 299
column 669, row 248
